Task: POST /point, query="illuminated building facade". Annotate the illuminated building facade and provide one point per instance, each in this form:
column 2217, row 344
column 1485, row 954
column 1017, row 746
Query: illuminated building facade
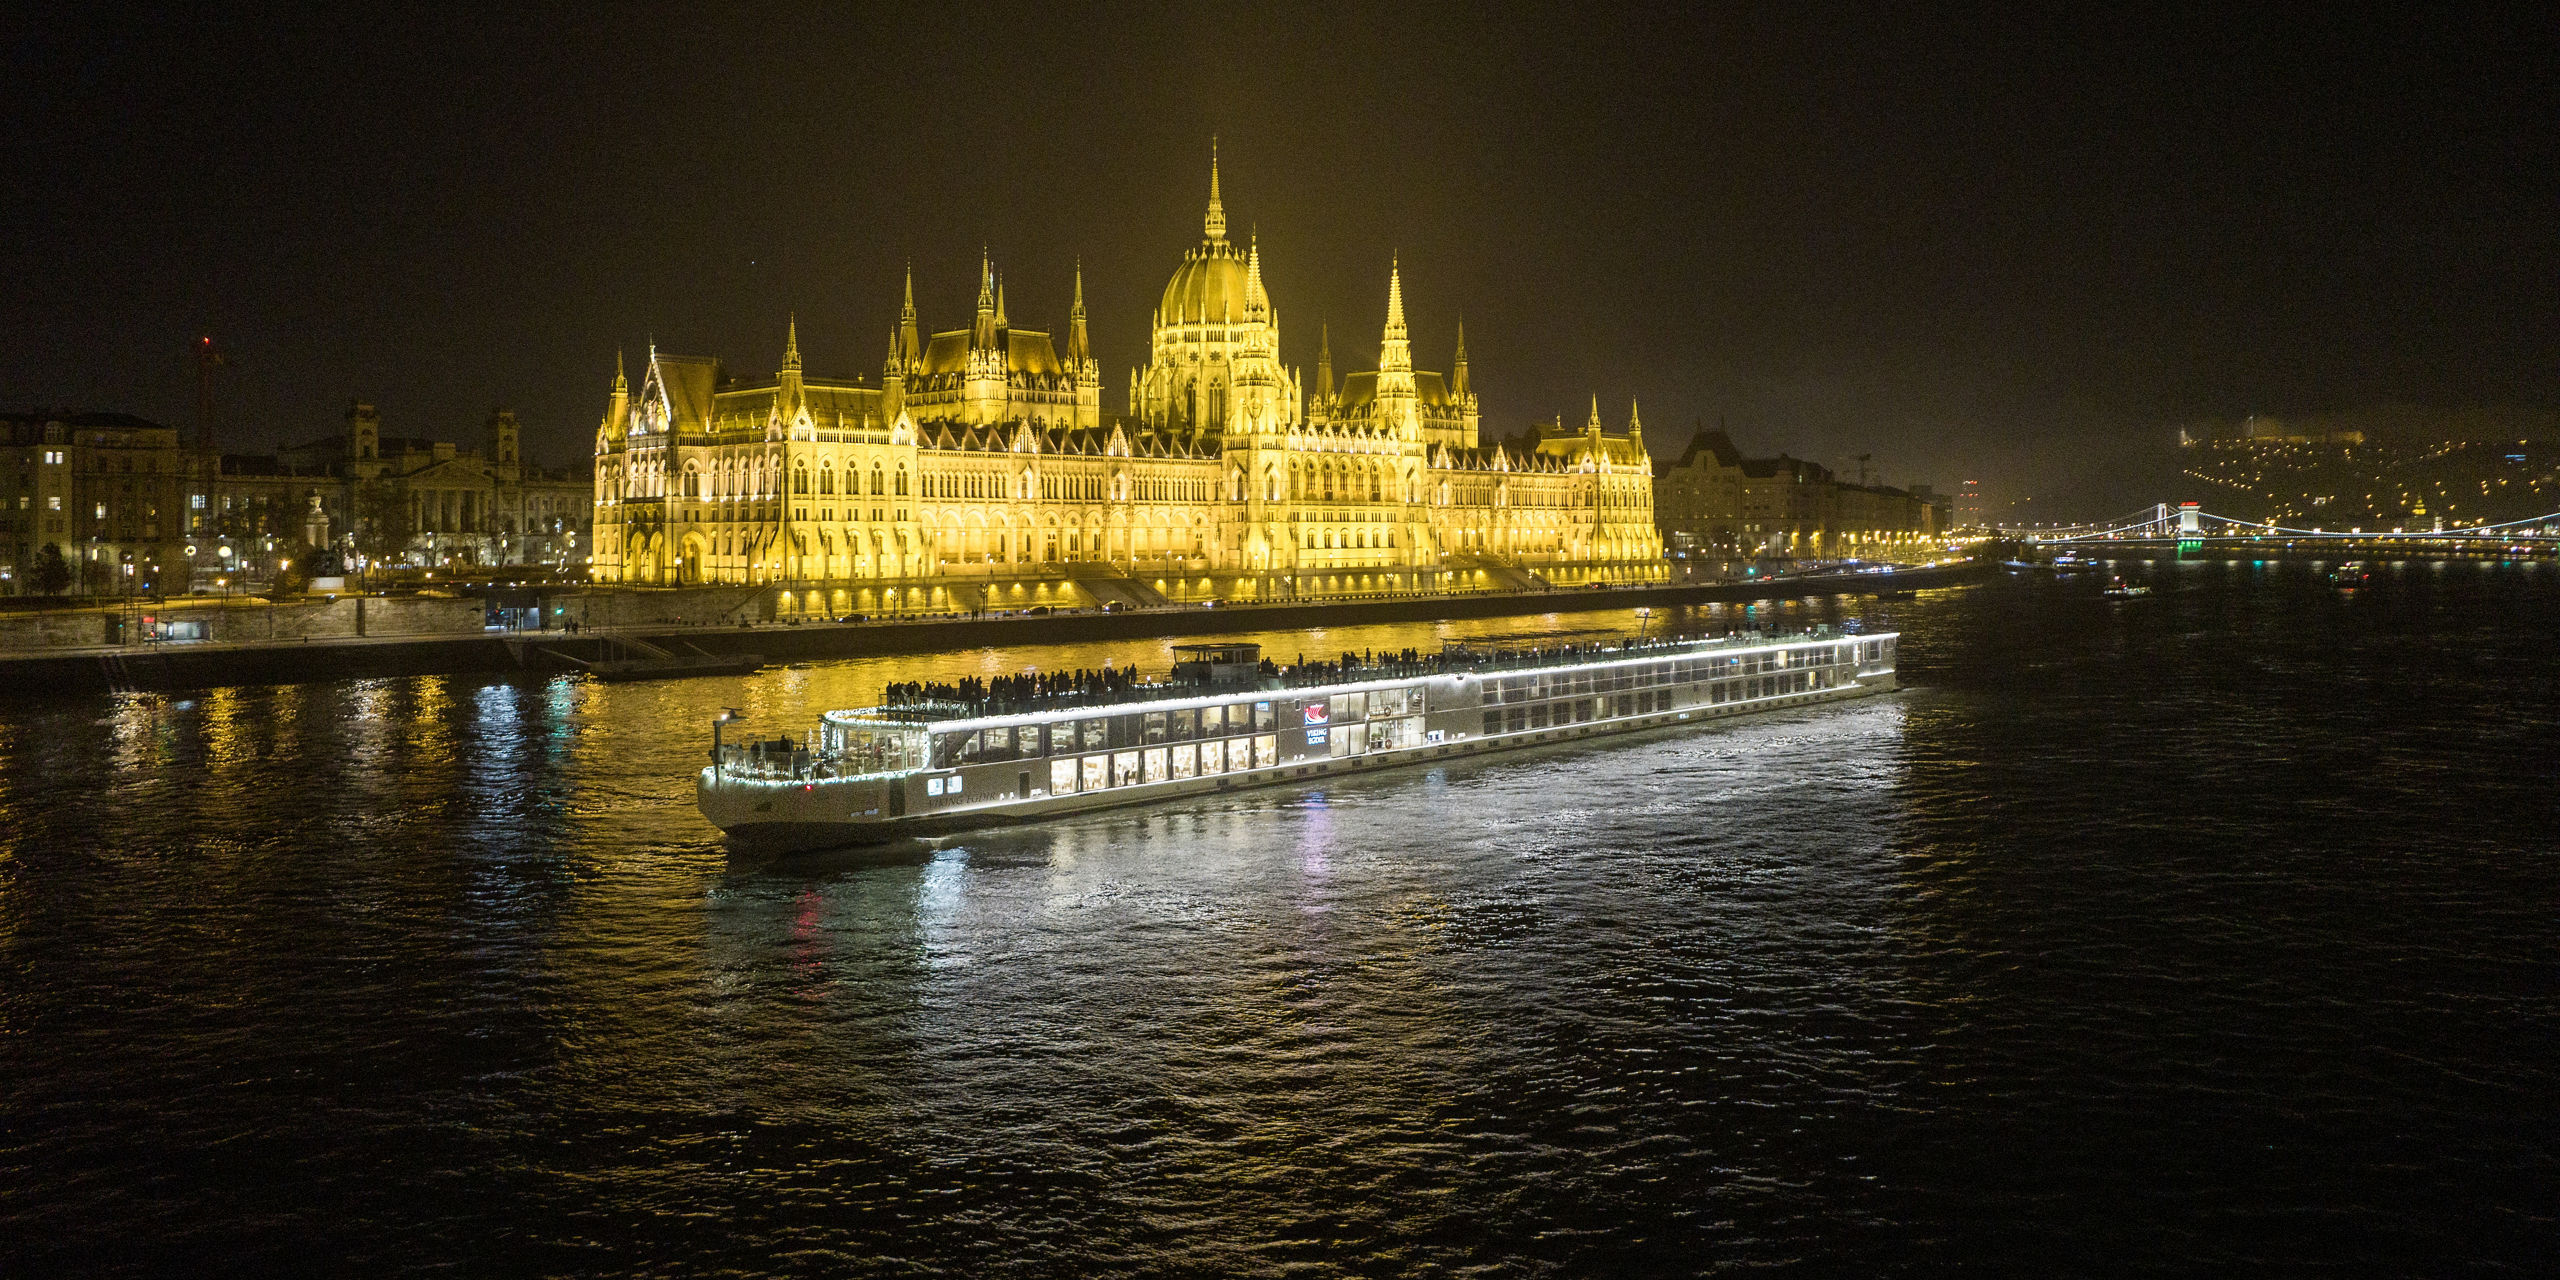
column 985, row 453
column 1712, row 502
column 108, row 491
column 439, row 503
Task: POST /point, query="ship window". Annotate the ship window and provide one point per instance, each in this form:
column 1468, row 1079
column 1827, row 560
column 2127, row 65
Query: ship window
column 1347, row 706
column 1097, row 734
column 1096, row 771
column 1538, row 716
column 1154, row 728
column 1182, row 726
column 1265, row 718
column 1516, row 719
column 1213, row 721
column 1155, row 761
column 1124, row 766
column 1390, row 702
column 1062, row 776
column 1124, row 733
column 1493, row 722
column 1266, row 747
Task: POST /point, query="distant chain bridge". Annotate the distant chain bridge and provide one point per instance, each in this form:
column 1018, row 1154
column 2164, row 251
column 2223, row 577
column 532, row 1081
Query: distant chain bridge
column 2163, row 522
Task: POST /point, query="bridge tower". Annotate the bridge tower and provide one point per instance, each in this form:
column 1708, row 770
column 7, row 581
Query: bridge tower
column 2190, row 519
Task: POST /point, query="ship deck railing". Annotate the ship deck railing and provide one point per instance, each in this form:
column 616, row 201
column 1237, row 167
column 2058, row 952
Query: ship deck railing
column 1505, row 653
column 801, row 762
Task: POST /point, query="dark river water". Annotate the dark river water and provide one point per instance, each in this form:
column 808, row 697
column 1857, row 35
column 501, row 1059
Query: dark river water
column 2211, row 933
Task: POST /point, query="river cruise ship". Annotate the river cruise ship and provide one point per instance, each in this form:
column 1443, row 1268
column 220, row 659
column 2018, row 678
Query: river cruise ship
column 932, row 763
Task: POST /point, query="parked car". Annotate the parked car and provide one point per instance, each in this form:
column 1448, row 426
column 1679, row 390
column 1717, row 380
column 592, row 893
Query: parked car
column 1113, row 606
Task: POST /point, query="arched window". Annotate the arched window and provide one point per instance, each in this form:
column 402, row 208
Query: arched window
column 800, row 479
column 826, row 477
column 876, row 488
column 902, row 479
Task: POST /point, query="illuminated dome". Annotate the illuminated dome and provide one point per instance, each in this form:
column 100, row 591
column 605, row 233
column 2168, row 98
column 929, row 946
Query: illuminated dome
column 1209, row 285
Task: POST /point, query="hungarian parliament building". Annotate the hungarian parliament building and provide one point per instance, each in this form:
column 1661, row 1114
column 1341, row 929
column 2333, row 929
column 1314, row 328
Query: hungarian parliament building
column 984, row 469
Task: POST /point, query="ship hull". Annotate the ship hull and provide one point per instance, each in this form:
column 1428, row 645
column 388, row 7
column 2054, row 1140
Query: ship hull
column 826, row 814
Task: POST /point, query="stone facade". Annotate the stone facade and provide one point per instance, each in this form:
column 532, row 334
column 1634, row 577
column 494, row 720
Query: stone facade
column 986, row 453
column 455, row 506
column 1711, row 502
column 112, row 492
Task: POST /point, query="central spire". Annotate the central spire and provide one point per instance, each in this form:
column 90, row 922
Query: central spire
column 791, row 345
column 1216, row 223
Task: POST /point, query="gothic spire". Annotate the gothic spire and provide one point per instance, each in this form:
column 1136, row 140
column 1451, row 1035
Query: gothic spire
column 621, row 385
column 1078, row 349
column 1001, row 322
column 1254, row 298
column 1595, row 411
column 1216, row 223
column 1324, row 362
column 982, row 335
column 791, row 345
column 907, row 345
column 1395, row 354
column 1458, row 372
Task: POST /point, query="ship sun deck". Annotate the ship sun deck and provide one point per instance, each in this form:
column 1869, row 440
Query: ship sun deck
column 927, row 767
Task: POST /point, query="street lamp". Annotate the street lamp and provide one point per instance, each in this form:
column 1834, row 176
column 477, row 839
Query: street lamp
column 1644, row 619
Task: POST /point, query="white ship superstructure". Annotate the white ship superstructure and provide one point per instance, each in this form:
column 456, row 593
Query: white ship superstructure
column 1225, row 719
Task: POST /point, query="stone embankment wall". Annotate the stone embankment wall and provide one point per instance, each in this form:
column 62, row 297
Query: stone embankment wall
column 445, row 637
column 244, row 621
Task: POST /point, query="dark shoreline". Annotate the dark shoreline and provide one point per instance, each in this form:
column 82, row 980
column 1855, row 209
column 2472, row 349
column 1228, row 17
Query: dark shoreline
column 171, row 668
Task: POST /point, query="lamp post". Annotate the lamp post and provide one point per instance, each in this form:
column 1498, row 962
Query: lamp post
column 1644, row 619
column 726, row 715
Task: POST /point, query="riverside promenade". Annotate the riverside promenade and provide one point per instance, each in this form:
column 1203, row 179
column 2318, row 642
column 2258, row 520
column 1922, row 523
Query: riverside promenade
column 184, row 665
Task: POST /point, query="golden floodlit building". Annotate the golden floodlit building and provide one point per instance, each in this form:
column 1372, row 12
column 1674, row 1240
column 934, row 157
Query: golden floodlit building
column 983, row 469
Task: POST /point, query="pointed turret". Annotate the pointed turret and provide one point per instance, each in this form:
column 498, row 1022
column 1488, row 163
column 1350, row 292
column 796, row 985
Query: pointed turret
column 1594, row 424
column 1215, row 224
column 1001, row 322
column 1397, row 410
column 1256, row 302
column 1458, row 370
column 1080, row 362
column 1078, row 349
column 617, row 411
column 910, row 337
column 1395, row 354
column 1324, row 363
column 984, row 394
column 791, row 344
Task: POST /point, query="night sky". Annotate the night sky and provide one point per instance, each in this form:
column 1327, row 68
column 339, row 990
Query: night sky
column 2016, row 250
